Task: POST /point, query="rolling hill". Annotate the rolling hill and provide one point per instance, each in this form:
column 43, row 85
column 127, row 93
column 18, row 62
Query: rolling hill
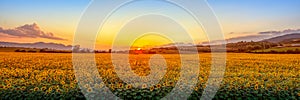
column 39, row 45
column 285, row 38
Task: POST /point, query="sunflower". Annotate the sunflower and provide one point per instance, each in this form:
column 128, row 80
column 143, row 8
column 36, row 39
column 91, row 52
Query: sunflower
column 8, row 85
column 75, row 81
column 43, row 88
column 86, row 85
column 63, row 82
column 101, row 85
column 247, row 85
column 64, row 86
column 89, row 90
column 5, row 87
column 256, row 87
column 158, row 86
column 44, row 78
column 48, row 92
column 50, row 89
column 196, row 88
column 112, row 87
column 23, row 88
column 58, row 91
column 120, row 85
column 151, row 88
column 128, row 86
column 36, row 89
column 17, row 89
column 278, row 88
column 1, row 86
column 171, row 83
column 262, row 86
column 71, row 86
column 144, row 86
column 165, row 84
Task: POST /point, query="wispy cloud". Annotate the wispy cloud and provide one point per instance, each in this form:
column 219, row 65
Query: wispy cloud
column 241, row 32
column 29, row 31
column 281, row 32
column 256, row 36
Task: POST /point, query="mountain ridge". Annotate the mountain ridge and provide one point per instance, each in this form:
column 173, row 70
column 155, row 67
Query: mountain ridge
column 283, row 38
column 40, row 45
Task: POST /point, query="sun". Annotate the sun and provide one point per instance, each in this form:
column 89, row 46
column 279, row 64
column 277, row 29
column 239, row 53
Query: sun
column 150, row 40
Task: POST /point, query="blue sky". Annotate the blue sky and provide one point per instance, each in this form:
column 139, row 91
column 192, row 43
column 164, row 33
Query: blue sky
column 271, row 14
column 236, row 16
column 284, row 12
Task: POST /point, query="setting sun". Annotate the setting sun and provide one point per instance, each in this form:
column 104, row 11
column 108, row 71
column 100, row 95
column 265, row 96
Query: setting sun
column 150, row 40
column 139, row 49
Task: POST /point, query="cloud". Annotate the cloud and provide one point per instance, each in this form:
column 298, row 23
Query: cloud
column 281, row 32
column 241, row 33
column 29, row 31
column 256, row 36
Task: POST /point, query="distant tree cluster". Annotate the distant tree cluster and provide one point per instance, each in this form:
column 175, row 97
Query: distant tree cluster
column 19, row 50
column 42, row 51
column 54, row 51
column 22, row 50
column 244, row 46
column 296, row 51
column 77, row 49
column 290, row 51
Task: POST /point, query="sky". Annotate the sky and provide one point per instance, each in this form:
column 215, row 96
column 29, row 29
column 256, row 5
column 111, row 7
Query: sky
column 28, row 21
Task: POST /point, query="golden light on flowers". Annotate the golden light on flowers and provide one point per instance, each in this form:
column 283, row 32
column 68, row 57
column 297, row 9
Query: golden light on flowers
column 50, row 74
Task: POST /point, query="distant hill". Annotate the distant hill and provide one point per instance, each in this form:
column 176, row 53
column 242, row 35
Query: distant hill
column 285, row 38
column 40, row 45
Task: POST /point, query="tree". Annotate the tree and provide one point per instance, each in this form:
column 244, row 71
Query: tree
column 76, row 48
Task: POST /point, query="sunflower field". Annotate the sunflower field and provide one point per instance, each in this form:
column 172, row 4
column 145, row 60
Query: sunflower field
column 51, row 76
